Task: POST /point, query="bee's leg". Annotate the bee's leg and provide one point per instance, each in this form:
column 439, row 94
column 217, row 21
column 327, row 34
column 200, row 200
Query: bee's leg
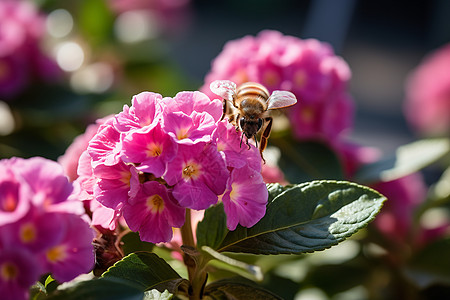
column 224, row 112
column 265, row 136
column 237, row 123
column 248, row 144
column 242, row 137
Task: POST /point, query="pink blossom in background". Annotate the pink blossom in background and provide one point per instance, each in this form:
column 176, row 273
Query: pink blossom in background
column 308, row 68
column 427, row 102
column 21, row 58
column 173, row 150
column 44, row 228
column 353, row 156
column 404, row 195
column 20, row 270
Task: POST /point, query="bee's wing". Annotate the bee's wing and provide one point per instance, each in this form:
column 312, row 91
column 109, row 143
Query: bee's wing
column 280, row 99
column 223, row 88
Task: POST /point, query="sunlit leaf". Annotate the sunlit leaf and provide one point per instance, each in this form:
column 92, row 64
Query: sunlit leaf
column 157, row 295
column 146, row 270
column 307, row 217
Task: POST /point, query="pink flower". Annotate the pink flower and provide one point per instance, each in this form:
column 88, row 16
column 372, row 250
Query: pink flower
column 188, row 102
column 404, row 195
column 14, row 196
column 49, row 229
column 46, row 180
column 153, row 212
column 245, row 198
column 427, row 103
column 308, row 68
column 273, row 174
column 151, row 148
column 199, row 175
column 18, row 271
column 114, row 184
column 69, row 160
column 35, row 231
column 21, row 59
column 229, row 144
column 146, row 110
column 73, row 254
column 164, row 147
column 105, row 146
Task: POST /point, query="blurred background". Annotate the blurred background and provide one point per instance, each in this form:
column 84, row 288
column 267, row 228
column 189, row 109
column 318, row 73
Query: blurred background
column 66, row 63
column 105, row 51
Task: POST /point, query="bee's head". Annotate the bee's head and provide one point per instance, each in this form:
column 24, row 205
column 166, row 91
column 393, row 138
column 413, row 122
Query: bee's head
column 250, row 126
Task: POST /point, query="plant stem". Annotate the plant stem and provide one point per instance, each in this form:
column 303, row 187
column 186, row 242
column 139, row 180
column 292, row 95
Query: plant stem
column 186, row 231
column 197, row 276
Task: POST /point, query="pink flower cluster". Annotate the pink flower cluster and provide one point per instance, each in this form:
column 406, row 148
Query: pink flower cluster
column 21, row 59
column 162, row 155
column 308, row 68
column 42, row 226
column 427, row 104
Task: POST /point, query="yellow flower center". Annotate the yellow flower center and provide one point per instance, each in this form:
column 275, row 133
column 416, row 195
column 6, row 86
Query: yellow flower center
column 154, row 149
column 191, row 170
column 126, row 177
column 155, row 203
column 57, row 253
column 234, row 192
column 9, row 271
column 221, row 146
column 27, row 233
column 182, row 133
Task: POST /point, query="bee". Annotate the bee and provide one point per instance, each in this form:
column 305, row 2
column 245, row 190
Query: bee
column 247, row 108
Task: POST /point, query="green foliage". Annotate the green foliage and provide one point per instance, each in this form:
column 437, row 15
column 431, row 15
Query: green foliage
column 307, row 217
column 214, row 221
column 237, row 288
column 112, row 288
column 146, row 270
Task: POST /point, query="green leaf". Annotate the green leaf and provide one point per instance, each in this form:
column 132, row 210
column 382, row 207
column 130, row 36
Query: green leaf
column 307, row 217
column 306, row 161
column 252, row 270
column 50, row 284
column 212, row 229
column 408, row 159
column 146, row 270
column 111, row 288
column 236, row 289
